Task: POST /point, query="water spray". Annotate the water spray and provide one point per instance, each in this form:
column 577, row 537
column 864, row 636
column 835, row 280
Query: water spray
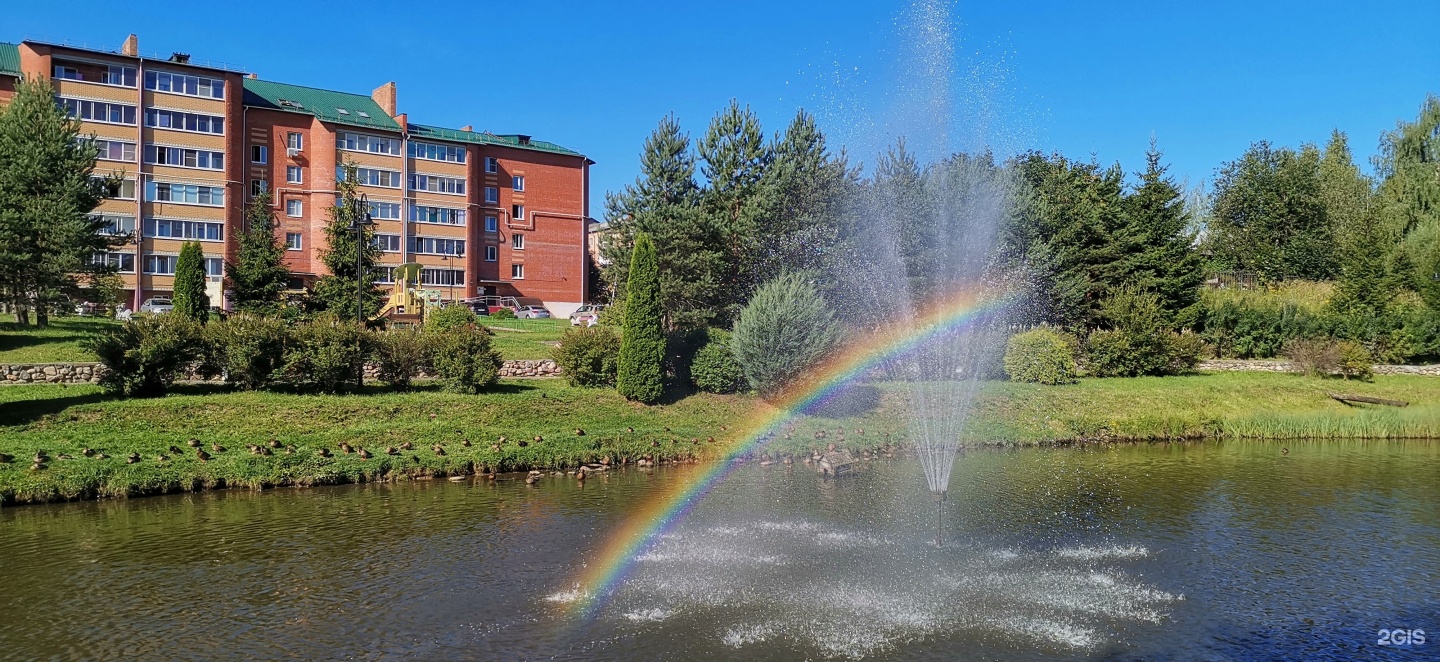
column 939, row 498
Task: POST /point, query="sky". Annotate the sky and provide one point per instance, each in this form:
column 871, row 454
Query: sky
column 1089, row 80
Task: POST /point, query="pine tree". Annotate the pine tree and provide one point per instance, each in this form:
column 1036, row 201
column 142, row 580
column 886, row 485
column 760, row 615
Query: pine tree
column 642, row 344
column 258, row 276
column 47, row 193
column 734, row 202
column 337, row 291
column 808, row 188
column 190, row 299
column 1163, row 259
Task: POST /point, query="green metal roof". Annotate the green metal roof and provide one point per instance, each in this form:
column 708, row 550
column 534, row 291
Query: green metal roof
column 324, row 104
column 9, row 59
column 456, row 135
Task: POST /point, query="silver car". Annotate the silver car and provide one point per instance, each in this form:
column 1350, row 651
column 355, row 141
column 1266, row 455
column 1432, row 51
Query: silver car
column 532, row 312
column 156, row 305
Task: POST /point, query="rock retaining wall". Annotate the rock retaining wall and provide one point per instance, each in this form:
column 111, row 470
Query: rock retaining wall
column 1273, row 365
column 89, row 373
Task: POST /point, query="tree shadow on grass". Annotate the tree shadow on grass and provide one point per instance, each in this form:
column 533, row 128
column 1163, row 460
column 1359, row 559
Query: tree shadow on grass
column 849, row 402
column 11, row 342
column 24, row 412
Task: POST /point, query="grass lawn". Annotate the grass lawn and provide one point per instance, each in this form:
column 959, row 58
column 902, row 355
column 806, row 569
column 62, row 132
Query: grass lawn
column 57, row 343
column 65, row 420
column 525, row 339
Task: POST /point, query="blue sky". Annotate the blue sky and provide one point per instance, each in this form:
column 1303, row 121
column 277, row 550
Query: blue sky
column 1205, row 79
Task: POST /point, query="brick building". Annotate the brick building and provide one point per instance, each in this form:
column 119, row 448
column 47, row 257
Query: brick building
column 484, row 214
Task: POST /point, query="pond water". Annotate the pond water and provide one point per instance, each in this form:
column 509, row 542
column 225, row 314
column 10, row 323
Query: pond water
column 1237, row 550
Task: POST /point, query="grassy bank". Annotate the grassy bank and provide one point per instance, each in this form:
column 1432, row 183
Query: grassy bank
column 58, row 343
column 66, row 420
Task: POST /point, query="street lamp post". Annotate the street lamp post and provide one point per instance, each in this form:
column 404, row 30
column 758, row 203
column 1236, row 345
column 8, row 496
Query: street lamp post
column 359, row 220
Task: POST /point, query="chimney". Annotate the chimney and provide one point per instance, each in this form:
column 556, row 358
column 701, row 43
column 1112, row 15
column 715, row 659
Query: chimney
column 467, row 127
column 524, row 139
column 253, row 76
column 385, row 96
column 131, row 47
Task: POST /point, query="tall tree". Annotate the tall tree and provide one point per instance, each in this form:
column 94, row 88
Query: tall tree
column 1270, row 217
column 809, row 188
column 663, row 203
column 1163, row 259
column 47, row 193
column 337, row 291
column 258, row 276
column 1409, row 168
column 734, row 202
column 190, row 299
column 640, row 374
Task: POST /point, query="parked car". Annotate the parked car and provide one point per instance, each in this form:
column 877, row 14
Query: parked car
column 157, row 305
column 532, row 312
column 586, row 315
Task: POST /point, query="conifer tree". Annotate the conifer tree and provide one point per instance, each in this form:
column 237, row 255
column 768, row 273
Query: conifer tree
column 47, row 193
column 642, row 344
column 1163, row 259
column 808, row 187
column 337, row 291
column 1269, row 216
column 190, row 299
column 258, row 276
column 734, row 202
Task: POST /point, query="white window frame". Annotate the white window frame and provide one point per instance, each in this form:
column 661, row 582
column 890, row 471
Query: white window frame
column 294, row 174
column 295, row 208
column 259, row 154
column 492, row 253
column 517, row 212
column 492, row 164
column 492, row 223
column 298, row 243
column 517, row 183
column 169, row 259
column 294, row 140
column 517, row 241
column 492, row 195
column 517, row 271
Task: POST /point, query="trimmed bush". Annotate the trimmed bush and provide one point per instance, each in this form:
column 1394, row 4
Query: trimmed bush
column 714, row 368
column 248, row 349
column 503, row 314
column 641, row 372
column 462, row 356
column 1140, row 341
column 588, row 356
column 1355, row 361
column 1040, row 356
column 144, row 356
column 449, row 317
column 327, row 354
column 400, row 354
column 783, row 330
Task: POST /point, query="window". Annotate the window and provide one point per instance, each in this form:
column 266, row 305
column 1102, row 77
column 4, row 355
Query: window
column 342, row 111
column 384, row 274
column 294, row 140
column 121, row 262
column 387, row 243
column 440, row 215
column 492, row 224
column 293, row 241
column 118, row 189
column 437, row 184
column 195, row 86
column 190, row 194
column 491, row 165
column 185, row 158
column 442, row 277
column 517, row 241
column 257, row 186
column 104, row 74
column 99, row 111
column 359, row 142
column 294, row 208
column 181, row 121
column 492, row 195
column 389, row 211
column 437, row 246
column 160, row 264
column 517, row 272
column 197, row 230
column 491, row 253
column 362, row 113
column 435, row 152
column 259, row 154
column 517, row 212
column 372, row 176
column 294, row 175
column 517, row 183
column 114, row 150
column 116, row 225
column 68, row 73
column 214, row 267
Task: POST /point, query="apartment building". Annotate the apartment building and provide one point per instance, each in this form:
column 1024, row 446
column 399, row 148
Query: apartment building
column 484, row 214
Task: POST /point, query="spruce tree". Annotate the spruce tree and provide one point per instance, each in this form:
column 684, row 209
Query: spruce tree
column 47, row 193
column 258, row 276
column 808, row 188
column 642, row 344
column 190, row 299
column 734, row 202
column 1162, row 259
column 337, row 291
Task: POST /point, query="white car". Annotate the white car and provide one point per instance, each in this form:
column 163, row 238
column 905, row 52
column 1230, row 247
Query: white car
column 532, row 313
column 157, row 305
column 586, row 315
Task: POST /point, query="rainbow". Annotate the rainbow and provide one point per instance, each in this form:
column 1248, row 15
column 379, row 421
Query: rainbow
column 854, row 361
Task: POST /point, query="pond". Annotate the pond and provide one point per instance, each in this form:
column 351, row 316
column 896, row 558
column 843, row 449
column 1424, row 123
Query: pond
column 1236, row 550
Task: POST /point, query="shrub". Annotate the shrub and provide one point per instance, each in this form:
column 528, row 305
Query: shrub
column 588, row 356
column 190, row 299
column 248, row 349
column 783, row 329
column 503, row 314
column 462, row 356
column 1139, row 341
column 1040, row 356
column 143, row 357
column 714, row 368
column 1354, row 361
column 612, row 315
column 640, row 373
column 1185, row 351
column 327, row 353
column 449, row 317
column 400, row 354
